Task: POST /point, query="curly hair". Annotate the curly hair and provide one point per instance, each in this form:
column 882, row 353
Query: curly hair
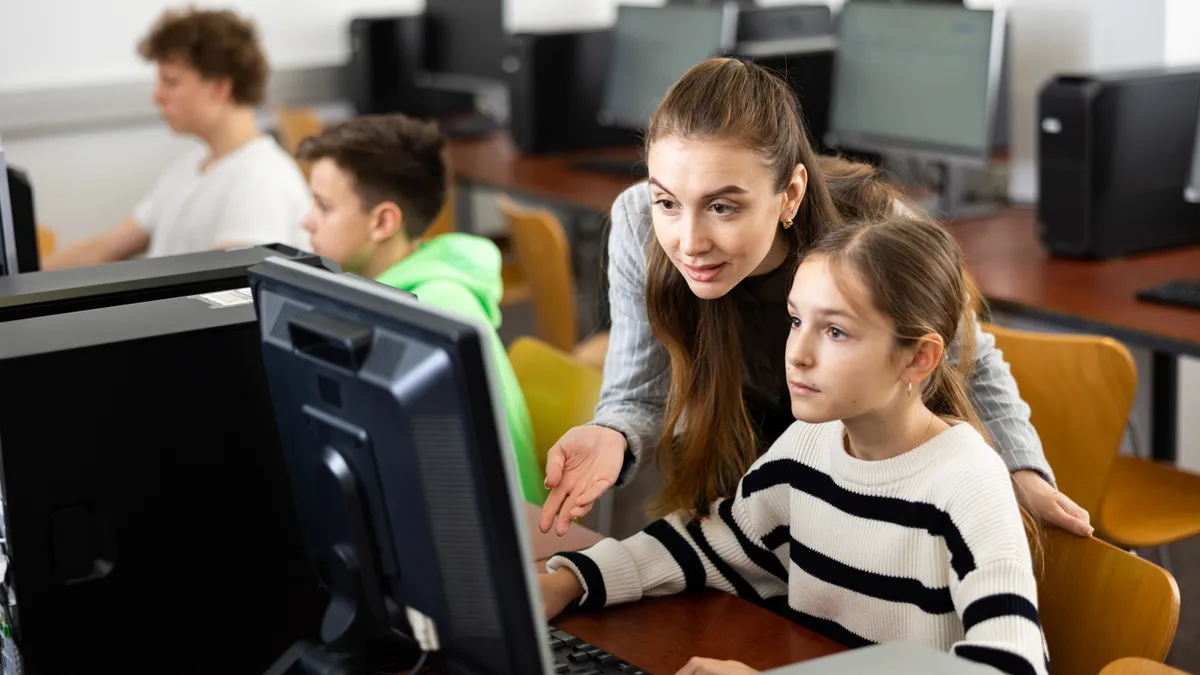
column 217, row 43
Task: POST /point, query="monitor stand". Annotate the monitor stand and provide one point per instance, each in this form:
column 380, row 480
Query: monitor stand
column 355, row 635
column 951, row 203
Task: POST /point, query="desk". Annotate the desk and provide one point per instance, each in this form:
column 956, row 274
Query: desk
column 661, row 634
column 494, row 162
column 1017, row 276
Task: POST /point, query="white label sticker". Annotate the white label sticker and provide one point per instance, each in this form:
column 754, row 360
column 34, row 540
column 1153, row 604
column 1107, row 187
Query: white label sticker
column 240, row 296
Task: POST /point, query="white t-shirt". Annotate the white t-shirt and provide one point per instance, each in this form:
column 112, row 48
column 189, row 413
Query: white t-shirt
column 254, row 195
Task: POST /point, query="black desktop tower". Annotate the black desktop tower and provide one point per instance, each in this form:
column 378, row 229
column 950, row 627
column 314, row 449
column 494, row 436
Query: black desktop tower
column 385, row 55
column 556, row 83
column 146, row 505
column 1113, row 157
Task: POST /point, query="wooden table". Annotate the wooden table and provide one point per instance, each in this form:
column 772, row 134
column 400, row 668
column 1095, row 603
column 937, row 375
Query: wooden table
column 495, row 163
column 1136, row 666
column 1017, row 276
column 660, row 634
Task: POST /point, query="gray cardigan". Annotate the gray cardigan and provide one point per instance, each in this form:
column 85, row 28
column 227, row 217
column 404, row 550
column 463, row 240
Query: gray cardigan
column 637, row 367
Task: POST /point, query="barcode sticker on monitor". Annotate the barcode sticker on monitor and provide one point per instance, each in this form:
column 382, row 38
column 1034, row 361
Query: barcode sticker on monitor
column 240, row 296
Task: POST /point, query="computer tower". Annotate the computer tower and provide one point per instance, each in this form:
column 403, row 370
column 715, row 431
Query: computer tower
column 556, row 84
column 386, row 52
column 147, row 512
column 56, row 291
column 810, row 75
column 1113, row 159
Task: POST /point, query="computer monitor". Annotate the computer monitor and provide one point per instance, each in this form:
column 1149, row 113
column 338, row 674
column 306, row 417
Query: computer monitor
column 18, row 226
column 1191, row 190
column 652, row 48
column 402, row 475
column 147, row 515
column 917, row 78
column 57, row 291
column 920, row 81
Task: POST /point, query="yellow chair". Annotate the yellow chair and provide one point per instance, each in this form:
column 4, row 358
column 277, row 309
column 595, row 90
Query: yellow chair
column 544, row 256
column 1098, row 603
column 560, row 392
column 47, row 241
column 293, row 125
column 1136, row 666
column 1080, row 390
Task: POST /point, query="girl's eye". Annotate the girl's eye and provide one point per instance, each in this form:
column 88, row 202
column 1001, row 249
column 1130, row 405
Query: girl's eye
column 836, row 333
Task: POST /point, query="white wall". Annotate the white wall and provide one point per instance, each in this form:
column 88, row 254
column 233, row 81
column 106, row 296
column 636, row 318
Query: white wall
column 40, row 47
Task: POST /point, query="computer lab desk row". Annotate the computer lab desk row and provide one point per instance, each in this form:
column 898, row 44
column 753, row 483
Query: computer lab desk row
column 1003, row 254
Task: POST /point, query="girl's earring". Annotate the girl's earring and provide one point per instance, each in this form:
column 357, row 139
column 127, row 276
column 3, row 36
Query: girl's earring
column 910, row 389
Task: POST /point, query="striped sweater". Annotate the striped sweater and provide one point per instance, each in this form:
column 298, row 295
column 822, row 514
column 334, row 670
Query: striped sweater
column 926, row 547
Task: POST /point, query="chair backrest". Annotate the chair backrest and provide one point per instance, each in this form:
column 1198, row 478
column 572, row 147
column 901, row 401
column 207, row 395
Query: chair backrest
column 293, row 125
column 1098, row 603
column 444, row 223
column 1080, row 390
column 1136, row 666
column 561, row 392
column 544, row 256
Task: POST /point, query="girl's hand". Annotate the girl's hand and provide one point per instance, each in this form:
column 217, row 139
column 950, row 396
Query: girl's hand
column 699, row 666
column 559, row 589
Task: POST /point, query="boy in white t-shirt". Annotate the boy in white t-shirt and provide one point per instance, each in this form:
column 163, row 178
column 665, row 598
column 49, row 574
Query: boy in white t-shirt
column 241, row 188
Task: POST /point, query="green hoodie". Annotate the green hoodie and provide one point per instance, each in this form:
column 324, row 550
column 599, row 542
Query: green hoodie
column 461, row 273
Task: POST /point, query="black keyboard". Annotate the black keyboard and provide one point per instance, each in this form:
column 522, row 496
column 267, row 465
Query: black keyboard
column 619, row 167
column 575, row 657
column 1178, row 293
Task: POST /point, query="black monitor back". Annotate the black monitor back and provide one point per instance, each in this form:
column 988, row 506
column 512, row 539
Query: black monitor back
column 147, row 510
column 71, row 290
column 398, row 455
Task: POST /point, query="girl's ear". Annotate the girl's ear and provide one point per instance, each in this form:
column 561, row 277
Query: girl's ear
column 926, row 354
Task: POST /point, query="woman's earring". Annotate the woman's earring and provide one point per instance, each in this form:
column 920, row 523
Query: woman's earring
column 910, row 389
column 787, row 223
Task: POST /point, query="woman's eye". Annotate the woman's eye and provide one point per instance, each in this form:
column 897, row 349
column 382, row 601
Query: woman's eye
column 665, row 204
column 724, row 209
column 794, row 321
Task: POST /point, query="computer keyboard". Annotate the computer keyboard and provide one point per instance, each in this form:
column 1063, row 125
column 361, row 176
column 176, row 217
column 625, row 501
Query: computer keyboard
column 573, row 656
column 1177, row 293
column 619, row 167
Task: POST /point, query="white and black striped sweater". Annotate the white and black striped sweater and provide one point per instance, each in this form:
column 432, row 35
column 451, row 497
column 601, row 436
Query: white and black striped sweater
column 926, row 547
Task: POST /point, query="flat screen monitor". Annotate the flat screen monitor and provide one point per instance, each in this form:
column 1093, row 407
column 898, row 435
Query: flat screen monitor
column 917, row 78
column 652, row 48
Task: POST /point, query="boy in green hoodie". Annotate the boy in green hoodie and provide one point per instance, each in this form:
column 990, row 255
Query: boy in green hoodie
column 378, row 183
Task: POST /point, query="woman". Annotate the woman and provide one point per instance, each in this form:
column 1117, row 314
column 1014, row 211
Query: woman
column 699, row 261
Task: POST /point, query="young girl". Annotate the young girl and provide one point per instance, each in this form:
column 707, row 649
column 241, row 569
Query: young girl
column 699, row 261
column 882, row 514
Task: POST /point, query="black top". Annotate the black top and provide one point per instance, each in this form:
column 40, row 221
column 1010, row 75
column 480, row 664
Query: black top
column 761, row 302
